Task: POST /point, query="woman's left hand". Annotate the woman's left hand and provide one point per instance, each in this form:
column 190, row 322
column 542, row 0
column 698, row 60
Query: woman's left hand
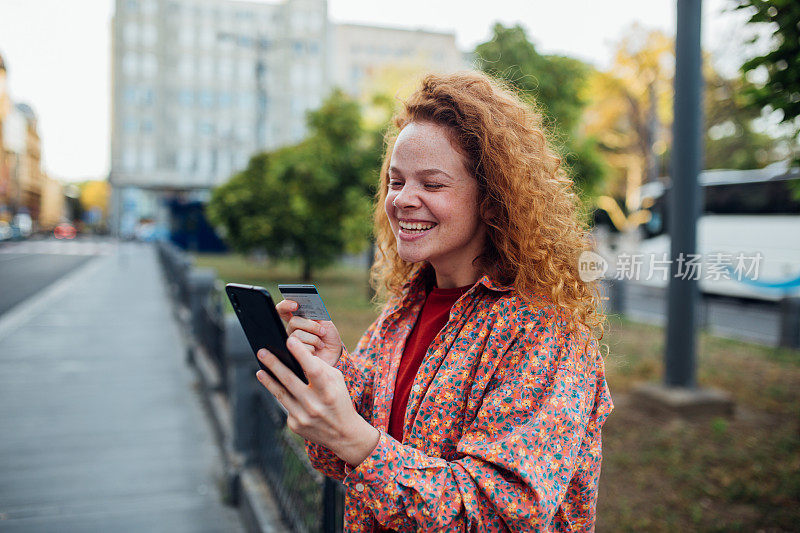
column 322, row 411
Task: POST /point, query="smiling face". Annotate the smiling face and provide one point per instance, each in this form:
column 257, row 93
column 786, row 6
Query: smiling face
column 432, row 204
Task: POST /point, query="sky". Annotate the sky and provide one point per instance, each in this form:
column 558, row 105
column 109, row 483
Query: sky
column 57, row 52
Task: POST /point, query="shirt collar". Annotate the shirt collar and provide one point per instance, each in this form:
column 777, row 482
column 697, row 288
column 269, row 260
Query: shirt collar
column 416, row 283
column 414, row 288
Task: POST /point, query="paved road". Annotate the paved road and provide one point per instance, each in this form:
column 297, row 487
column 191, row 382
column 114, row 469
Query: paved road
column 23, row 275
column 101, row 430
column 757, row 322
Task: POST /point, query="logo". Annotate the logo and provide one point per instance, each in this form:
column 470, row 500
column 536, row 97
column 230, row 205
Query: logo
column 591, row 266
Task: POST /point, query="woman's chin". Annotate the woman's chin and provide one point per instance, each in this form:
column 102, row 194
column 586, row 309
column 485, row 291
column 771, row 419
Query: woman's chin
column 410, row 256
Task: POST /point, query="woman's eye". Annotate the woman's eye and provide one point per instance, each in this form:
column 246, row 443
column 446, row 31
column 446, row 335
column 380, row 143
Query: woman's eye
column 394, row 184
column 434, row 185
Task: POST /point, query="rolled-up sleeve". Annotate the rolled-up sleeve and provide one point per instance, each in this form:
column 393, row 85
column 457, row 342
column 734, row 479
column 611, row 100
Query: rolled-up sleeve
column 536, row 436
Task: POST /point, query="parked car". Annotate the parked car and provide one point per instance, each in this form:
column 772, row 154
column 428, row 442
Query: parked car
column 65, row 231
column 24, row 223
column 5, row 231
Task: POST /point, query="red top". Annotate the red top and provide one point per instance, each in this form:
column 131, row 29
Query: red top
column 434, row 315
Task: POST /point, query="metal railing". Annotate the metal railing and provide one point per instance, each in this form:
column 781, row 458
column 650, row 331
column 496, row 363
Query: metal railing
column 308, row 501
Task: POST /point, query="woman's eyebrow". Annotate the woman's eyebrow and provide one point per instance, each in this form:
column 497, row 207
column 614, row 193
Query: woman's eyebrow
column 421, row 173
column 429, row 171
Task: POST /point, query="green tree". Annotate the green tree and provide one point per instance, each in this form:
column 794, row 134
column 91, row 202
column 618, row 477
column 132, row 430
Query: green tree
column 556, row 85
column 730, row 139
column 301, row 201
column 781, row 90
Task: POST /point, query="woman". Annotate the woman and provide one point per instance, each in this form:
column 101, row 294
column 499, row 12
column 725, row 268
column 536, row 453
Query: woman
column 475, row 400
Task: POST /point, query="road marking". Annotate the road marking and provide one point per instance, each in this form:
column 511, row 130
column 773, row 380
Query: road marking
column 24, row 311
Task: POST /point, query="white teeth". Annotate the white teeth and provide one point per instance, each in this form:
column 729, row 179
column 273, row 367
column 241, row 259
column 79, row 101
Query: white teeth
column 416, row 226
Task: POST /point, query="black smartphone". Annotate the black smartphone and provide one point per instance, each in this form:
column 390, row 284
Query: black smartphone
column 262, row 324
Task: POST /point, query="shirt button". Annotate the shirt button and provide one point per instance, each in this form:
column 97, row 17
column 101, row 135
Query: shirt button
column 360, row 487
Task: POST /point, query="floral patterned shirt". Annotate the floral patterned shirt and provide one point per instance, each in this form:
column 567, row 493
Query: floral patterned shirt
column 502, row 429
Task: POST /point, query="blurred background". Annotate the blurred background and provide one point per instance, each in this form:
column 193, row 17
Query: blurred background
column 243, row 140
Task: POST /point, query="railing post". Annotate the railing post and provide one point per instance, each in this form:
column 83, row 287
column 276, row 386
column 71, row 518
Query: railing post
column 201, row 282
column 241, row 387
column 790, row 322
column 332, row 507
column 616, row 296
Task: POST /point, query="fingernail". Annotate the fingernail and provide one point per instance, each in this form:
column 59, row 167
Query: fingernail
column 322, row 330
column 262, row 353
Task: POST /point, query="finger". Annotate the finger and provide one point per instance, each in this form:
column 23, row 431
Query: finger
column 298, row 322
column 286, row 377
column 285, row 309
column 313, row 367
column 307, row 338
column 280, row 393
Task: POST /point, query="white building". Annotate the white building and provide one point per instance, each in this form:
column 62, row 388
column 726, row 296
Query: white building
column 198, row 86
column 359, row 52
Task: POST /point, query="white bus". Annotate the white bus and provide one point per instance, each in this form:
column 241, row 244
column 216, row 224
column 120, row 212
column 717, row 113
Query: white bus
column 750, row 218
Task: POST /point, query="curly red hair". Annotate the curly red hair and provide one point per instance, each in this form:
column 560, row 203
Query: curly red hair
column 535, row 231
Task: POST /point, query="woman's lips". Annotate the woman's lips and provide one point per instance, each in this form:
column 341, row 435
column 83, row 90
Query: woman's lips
column 412, row 235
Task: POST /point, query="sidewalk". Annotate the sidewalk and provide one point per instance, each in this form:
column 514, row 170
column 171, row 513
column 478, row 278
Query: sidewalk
column 100, row 427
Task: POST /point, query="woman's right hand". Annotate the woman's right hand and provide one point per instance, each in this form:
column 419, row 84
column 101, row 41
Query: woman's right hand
column 320, row 336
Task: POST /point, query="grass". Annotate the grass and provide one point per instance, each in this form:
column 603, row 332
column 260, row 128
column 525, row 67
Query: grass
column 659, row 474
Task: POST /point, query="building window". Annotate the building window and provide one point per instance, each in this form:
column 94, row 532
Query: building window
column 186, row 68
column 185, row 160
column 149, row 6
column 129, row 95
column 149, row 35
column 206, row 128
column 245, row 70
column 147, row 97
column 186, row 97
column 149, row 65
column 130, row 63
column 207, row 98
column 225, row 68
column 185, row 127
column 129, row 125
column 130, row 34
column 187, row 36
column 148, row 160
column 206, row 68
column 129, row 159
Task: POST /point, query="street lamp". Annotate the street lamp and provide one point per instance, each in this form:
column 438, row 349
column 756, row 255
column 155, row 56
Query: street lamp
column 260, row 45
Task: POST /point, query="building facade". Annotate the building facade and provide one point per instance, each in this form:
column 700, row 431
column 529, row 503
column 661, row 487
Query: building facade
column 199, row 86
column 360, row 52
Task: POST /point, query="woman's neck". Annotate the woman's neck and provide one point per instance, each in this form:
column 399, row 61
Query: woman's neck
column 459, row 278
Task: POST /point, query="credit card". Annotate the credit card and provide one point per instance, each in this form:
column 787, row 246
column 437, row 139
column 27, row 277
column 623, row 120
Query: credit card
column 309, row 300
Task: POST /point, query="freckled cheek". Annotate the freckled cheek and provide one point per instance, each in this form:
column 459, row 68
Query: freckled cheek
column 389, row 209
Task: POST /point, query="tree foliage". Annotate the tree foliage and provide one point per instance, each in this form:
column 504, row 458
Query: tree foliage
column 781, row 63
column 630, row 114
column 556, row 85
column 304, row 201
column 631, row 103
column 730, row 138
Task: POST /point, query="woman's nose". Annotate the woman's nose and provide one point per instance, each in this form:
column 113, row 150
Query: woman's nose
column 406, row 198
